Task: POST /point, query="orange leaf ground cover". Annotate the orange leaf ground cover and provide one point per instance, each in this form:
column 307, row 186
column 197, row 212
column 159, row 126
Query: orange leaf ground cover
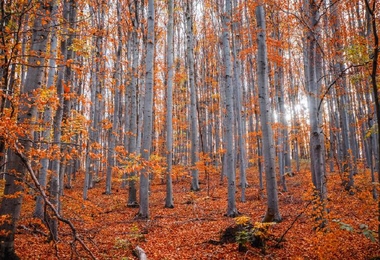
column 111, row 231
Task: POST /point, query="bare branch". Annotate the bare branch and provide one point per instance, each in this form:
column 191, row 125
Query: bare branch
column 28, row 166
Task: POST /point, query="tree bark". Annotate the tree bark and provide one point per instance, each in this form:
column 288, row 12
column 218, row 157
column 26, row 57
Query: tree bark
column 230, row 119
column 242, row 154
column 272, row 213
column 48, row 113
column 193, row 99
column 374, row 86
column 148, row 112
column 113, row 132
column 313, row 94
column 27, row 115
column 133, row 100
column 169, row 108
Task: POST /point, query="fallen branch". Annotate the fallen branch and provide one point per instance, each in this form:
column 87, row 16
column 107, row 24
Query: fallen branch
column 140, row 253
column 292, row 224
column 35, row 230
column 28, row 166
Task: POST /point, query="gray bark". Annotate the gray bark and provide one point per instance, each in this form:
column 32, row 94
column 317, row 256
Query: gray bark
column 342, row 101
column 148, row 112
column 272, row 213
column 313, row 94
column 193, row 99
column 27, row 113
column 169, row 108
column 133, row 127
column 375, row 90
column 230, row 120
column 116, row 105
column 93, row 154
column 242, row 155
column 48, row 114
column 283, row 137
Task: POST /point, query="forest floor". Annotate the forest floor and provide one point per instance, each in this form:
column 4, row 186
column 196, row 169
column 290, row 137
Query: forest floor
column 191, row 229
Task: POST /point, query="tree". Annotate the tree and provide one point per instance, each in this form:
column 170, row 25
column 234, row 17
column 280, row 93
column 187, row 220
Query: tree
column 272, row 213
column 169, row 108
column 27, row 115
column 342, row 102
column 147, row 117
column 48, row 114
column 97, row 81
column 133, row 104
column 113, row 132
column 242, row 157
column 372, row 12
column 312, row 74
column 193, row 98
column 230, row 119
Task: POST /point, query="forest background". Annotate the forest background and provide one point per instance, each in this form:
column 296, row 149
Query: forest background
column 189, row 129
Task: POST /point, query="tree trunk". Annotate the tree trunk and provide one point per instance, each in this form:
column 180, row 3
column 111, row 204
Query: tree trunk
column 242, row 155
column 48, row 114
column 343, row 102
column 132, row 89
column 148, row 112
column 193, row 99
column 169, row 108
column 313, row 94
column 272, row 213
column 375, row 87
column 229, row 121
column 11, row 203
column 113, row 132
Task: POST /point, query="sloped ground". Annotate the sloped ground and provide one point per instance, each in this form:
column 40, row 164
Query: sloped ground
column 191, row 230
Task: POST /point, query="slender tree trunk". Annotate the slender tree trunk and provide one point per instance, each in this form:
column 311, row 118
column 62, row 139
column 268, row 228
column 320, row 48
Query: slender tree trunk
column 229, row 134
column 242, row 155
column 272, row 213
column 193, row 98
column 342, row 101
column 169, row 108
column 133, row 124
column 313, row 93
column 48, row 114
column 113, row 132
column 372, row 10
column 10, row 207
column 148, row 112
column 94, row 152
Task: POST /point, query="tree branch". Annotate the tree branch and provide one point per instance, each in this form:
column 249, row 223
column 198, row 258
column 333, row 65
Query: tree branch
column 28, row 166
column 341, row 74
column 292, row 224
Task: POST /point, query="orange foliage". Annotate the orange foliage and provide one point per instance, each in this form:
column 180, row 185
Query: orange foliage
column 111, row 231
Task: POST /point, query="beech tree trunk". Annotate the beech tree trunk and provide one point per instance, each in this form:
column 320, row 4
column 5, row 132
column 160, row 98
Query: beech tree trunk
column 114, row 119
column 242, row 154
column 230, row 119
column 48, row 113
column 11, row 203
column 343, row 102
column 169, row 108
column 148, row 113
column 272, row 213
column 313, row 94
column 372, row 10
column 133, row 104
column 193, row 99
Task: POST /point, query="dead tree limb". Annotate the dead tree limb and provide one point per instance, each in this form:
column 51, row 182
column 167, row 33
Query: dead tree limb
column 140, row 253
column 292, row 224
column 28, row 166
